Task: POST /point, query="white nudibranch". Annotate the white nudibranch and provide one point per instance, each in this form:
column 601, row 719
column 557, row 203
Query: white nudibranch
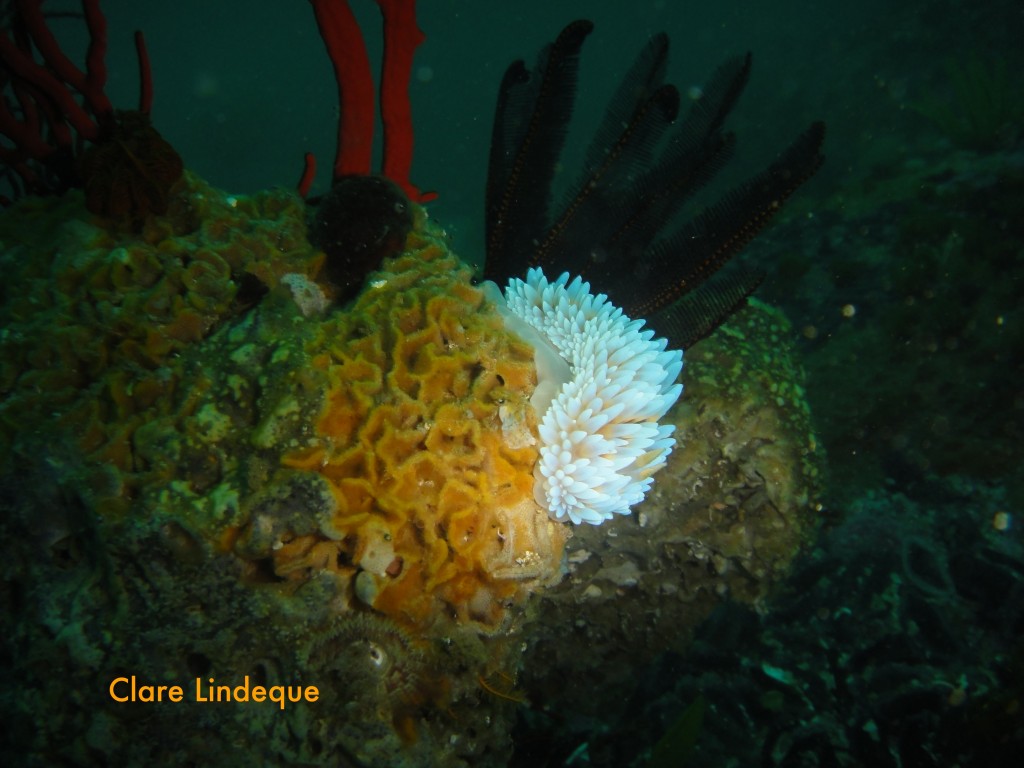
column 600, row 437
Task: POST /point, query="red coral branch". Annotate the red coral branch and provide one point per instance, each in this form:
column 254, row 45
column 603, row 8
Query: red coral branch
column 145, row 74
column 21, row 65
column 89, row 83
column 308, row 172
column 401, row 38
column 47, row 99
column 96, row 57
column 344, row 42
column 347, row 52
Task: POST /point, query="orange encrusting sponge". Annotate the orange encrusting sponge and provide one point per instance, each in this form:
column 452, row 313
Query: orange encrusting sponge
column 427, row 440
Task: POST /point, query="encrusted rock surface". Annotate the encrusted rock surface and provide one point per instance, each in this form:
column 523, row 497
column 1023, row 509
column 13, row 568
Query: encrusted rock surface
column 189, row 426
column 737, row 501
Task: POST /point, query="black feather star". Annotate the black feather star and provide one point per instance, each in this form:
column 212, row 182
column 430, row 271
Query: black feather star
column 640, row 168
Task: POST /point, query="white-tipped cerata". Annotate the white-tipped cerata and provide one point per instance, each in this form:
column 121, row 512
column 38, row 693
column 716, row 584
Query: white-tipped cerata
column 600, row 437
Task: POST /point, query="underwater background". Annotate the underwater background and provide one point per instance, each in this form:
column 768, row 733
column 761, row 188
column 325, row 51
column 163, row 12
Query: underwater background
column 829, row 571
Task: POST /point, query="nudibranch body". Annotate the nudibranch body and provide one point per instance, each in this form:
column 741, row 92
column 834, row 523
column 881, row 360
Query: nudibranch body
column 600, row 437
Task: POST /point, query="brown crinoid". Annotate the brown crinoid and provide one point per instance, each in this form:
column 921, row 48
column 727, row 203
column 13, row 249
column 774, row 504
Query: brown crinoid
column 622, row 226
column 130, row 171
